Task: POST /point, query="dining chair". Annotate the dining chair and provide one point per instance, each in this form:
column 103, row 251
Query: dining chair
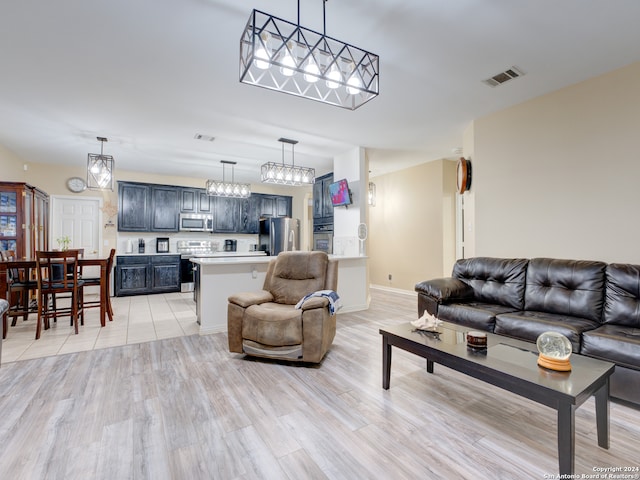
column 19, row 289
column 57, row 272
column 96, row 282
column 55, row 298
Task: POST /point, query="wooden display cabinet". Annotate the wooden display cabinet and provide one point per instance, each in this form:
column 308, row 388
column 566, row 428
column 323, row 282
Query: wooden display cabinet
column 24, row 219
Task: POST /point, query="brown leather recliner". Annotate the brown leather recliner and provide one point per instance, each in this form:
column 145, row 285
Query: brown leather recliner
column 266, row 323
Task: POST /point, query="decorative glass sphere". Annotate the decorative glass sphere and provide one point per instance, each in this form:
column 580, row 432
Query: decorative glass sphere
column 554, row 345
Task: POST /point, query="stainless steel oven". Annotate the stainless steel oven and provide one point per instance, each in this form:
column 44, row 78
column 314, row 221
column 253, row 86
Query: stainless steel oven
column 196, row 222
column 323, row 238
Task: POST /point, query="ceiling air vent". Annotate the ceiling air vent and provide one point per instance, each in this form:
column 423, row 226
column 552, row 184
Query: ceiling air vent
column 208, row 138
column 502, row 77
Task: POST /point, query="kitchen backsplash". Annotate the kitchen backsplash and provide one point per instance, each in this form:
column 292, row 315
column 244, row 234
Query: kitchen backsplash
column 244, row 241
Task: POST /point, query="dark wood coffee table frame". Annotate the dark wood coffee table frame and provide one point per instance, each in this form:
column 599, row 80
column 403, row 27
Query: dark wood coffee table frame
column 588, row 377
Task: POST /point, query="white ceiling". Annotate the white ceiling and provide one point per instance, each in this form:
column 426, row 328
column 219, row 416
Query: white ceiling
column 150, row 74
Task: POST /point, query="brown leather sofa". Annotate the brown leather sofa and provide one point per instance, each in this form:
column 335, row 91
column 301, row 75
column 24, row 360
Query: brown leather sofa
column 594, row 304
column 266, row 323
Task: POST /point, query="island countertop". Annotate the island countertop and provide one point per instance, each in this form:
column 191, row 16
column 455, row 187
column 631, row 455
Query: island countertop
column 220, row 277
column 224, row 260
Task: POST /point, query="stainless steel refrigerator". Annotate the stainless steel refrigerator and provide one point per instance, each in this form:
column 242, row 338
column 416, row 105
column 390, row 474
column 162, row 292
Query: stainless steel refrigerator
column 281, row 234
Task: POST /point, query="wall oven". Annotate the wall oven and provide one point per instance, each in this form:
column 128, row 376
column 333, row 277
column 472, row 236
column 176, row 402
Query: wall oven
column 323, row 238
column 196, row 222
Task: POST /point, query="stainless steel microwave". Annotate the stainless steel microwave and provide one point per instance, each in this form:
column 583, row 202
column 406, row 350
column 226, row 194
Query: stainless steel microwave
column 196, row 222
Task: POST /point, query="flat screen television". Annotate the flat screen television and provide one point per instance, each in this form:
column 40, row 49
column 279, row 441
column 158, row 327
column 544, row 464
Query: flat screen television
column 340, row 193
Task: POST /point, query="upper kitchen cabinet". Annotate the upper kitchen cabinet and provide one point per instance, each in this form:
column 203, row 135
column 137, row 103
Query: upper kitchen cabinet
column 250, row 214
column 322, row 206
column 275, row 206
column 195, row 200
column 226, row 216
column 164, row 208
column 134, row 200
column 146, row 207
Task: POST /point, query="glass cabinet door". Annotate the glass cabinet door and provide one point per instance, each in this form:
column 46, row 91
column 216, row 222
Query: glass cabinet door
column 8, row 220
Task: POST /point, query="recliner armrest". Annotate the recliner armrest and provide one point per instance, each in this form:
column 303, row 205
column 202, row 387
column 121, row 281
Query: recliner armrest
column 246, row 299
column 445, row 290
column 315, row 302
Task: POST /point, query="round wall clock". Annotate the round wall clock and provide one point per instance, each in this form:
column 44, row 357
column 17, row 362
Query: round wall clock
column 464, row 175
column 76, row 184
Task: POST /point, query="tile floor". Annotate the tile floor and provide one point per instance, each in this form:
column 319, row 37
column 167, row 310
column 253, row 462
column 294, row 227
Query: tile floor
column 136, row 319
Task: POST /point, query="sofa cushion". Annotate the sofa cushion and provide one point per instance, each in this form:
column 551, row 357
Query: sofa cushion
column 614, row 343
column 574, row 288
column 529, row 325
column 622, row 295
column 481, row 316
column 494, row 280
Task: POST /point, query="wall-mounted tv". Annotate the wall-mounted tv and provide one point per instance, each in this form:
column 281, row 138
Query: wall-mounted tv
column 340, row 193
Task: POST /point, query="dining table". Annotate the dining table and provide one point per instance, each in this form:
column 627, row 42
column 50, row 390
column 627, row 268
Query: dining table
column 29, row 264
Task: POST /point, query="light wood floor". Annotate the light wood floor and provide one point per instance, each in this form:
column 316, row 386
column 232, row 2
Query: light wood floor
column 185, row 408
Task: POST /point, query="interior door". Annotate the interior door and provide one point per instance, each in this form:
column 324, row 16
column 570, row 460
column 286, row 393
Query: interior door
column 80, row 220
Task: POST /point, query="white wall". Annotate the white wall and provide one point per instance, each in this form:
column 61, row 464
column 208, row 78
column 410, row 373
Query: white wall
column 558, row 175
column 352, row 166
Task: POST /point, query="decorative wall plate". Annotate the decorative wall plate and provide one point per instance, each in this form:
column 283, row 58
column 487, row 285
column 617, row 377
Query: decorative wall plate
column 464, row 175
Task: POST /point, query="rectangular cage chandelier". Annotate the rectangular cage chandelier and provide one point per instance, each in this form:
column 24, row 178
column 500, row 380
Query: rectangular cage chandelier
column 217, row 188
column 283, row 174
column 283, row 56
column 100, row 169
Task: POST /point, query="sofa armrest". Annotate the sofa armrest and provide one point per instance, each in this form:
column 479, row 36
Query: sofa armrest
column 445, row 290
column 246, row 299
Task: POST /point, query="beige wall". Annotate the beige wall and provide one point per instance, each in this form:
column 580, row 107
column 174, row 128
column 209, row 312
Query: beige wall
column 412, row 226
column 558, row 175
column 11, row 166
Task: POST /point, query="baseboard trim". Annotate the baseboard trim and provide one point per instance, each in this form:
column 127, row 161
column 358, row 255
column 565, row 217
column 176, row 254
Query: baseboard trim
column 214, row 329
column 394, row 290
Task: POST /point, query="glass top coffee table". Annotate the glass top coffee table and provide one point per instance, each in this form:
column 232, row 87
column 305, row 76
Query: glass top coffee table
column 512, row 365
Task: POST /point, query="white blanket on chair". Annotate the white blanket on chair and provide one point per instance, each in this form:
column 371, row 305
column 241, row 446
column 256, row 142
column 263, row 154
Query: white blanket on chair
column 334, row 300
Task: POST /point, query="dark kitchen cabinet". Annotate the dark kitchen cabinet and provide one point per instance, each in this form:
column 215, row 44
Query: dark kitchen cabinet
column 144, row 207
column 144, row 274
column 250, row 214
column 275, row 206
column 226, row 215
column 134, row 201
column 165, row 273
column 132, row 275
column 322, row 206
column 164, row 209
column 195, row 200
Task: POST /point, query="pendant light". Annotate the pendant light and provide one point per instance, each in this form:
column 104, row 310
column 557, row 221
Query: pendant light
column 284, row 174
column 286, row 57
column 100, row 169
column 223, row 188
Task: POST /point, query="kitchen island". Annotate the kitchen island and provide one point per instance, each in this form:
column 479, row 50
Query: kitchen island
column 218, row 278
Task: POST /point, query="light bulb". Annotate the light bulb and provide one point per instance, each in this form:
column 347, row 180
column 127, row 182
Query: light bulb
column 288, row 61
column 262, row 53
column 334, row 74
column 354, row 85
column 312, row 71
